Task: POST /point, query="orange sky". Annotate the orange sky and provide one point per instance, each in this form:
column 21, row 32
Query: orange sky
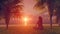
column 28, row 7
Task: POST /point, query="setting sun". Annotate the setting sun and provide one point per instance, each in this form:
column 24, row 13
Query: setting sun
column 25, row 20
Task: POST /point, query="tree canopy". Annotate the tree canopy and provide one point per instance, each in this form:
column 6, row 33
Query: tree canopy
column 6, row 5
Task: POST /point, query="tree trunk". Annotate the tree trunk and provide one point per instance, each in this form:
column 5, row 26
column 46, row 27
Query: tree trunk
column 7, row 19
column 51, row 21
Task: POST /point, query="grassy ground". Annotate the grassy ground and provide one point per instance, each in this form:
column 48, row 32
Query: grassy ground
column 29, row 30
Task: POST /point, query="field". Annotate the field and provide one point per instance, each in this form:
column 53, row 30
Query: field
column 29, row 30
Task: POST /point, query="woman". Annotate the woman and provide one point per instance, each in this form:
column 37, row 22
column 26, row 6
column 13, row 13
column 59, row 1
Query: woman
column 40, row 23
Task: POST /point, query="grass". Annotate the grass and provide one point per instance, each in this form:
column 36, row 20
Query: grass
column 29, row 30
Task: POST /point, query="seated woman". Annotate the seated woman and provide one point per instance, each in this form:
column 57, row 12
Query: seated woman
column 40, row 23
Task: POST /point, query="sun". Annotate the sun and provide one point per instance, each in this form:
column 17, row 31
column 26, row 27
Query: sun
column 25, row 20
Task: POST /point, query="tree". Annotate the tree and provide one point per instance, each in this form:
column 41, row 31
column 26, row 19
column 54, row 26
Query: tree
column 16, row 11
column 50, row 4
column 6, row 7
column 57, row 6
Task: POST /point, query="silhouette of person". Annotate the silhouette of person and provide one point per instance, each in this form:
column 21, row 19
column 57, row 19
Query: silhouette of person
column 40, row 23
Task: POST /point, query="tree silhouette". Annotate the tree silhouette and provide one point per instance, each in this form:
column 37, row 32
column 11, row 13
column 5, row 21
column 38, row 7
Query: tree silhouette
column 6, row 7
column 16, row 10
column 57, row 10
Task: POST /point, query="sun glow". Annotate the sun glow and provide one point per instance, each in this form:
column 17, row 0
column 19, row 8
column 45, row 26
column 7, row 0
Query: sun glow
column 25, row 20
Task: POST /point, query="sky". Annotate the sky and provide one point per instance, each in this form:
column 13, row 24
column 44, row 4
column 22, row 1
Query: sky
column 28, row 7
column 30, row 11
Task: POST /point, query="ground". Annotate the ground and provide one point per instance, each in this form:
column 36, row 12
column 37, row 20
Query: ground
column 29, row 30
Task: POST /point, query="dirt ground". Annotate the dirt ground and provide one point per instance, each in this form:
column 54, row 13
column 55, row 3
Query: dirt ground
column 28, row 30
